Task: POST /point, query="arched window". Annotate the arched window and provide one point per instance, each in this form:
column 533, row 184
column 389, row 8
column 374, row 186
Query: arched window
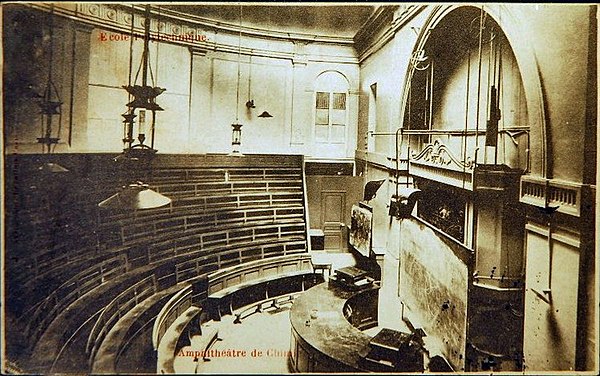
column 331, row 108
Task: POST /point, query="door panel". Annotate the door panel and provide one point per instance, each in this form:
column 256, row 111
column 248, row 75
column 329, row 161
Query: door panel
column 332, row 211
column 330, row 200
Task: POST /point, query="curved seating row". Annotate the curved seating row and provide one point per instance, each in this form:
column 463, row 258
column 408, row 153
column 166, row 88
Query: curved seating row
column 64, row 340
column 257, row 250
column 124, row 302
column 178, row 266
column 228, row 288
column 120, row 234
column 106, row 350
column 83, row 259
column 46, row 264
column 273, row 276
column 105, row 342
column 41, row 314
column 173, row 309
column 223, row 173
column 116, row 233
column 231, row 187
column 203, row 338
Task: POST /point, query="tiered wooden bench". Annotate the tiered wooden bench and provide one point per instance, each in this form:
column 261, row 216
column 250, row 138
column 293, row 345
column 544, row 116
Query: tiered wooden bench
column 271, row 275
column 79, row 259
column 229, row 289
column 119, row 306
column 106, row 350
column 175, row 316
column 41, row 314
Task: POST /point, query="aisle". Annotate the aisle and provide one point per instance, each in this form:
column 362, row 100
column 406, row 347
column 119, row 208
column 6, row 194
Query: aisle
column 260, row 344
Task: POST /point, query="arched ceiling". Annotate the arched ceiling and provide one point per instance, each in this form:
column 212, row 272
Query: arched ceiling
column 322, row 20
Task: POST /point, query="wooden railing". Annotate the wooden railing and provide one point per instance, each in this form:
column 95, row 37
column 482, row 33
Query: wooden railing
column 169, row 313
column 255, row 270
column 273, row 270
column 40, row 315
column 116, row 309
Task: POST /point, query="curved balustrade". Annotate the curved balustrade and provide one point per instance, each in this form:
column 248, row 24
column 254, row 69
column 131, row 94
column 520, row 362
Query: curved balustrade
column 275, row 276
column 169, row 312
column 40, row 315
column 133, row 323
column 116, row 308
column 225, row 285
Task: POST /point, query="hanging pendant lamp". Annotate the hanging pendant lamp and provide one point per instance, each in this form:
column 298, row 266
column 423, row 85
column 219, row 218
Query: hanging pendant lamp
column 50, row 107
column 141, row 105
column 52, row 168
column 236, row 127
column 135, row 196
column 265, row 114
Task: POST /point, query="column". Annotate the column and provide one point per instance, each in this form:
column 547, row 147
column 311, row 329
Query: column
column 77, row 104
column 199, row 98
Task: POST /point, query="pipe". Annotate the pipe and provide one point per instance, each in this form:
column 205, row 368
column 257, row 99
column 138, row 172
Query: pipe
column 481, row 23
column 431, row 99
column 399, row 132
column 146, row 46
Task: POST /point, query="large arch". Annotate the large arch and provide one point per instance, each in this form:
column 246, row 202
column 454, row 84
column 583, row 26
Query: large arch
column 540, row 153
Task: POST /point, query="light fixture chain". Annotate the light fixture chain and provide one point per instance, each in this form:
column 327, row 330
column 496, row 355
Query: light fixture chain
column 237, row 102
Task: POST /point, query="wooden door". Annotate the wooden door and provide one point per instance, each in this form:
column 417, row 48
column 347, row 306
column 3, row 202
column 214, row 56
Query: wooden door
column 333, row 204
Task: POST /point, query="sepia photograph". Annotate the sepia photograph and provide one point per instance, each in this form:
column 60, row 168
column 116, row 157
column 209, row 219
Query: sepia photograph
column 299, row 187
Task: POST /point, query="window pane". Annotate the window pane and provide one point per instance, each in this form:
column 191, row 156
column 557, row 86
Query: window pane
column 322, row 117
column 338, row 133
column 338, row 117
column 339, row 101
column 322, row 99
column 321, row 133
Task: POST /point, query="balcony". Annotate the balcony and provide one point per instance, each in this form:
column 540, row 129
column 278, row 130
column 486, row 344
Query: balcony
column 460, row 158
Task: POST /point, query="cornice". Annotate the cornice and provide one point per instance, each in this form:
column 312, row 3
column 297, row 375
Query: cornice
column 173, row 27
column 375, row 22
column 118, row 15
column 384, row 22
column 261, row 33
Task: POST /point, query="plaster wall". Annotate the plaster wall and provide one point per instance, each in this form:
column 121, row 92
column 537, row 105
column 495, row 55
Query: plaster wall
column 201, row 100
column 550, row 300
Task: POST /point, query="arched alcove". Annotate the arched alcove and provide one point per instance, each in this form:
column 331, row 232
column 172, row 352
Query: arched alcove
column 450, row 39
column 467, row 91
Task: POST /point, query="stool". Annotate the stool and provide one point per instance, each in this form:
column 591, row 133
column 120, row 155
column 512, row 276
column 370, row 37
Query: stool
column 317, row 239
column 323, row 267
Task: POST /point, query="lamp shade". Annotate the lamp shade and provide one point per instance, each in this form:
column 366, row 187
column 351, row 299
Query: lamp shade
column 52, row 168
column 265, row 114
column 371, row 189
column 135, row 196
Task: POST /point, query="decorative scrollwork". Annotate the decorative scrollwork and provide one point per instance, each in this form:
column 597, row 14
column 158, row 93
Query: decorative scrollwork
column 419, row 61
column 438, row 154
column 121, row 16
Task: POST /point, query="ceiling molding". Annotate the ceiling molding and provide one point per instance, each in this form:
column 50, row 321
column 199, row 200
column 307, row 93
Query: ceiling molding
column 176, row 29
column 252, row 31
column 383, row 24
column 118, row 15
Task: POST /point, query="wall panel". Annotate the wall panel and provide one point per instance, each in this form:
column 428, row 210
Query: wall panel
column 433, row 284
